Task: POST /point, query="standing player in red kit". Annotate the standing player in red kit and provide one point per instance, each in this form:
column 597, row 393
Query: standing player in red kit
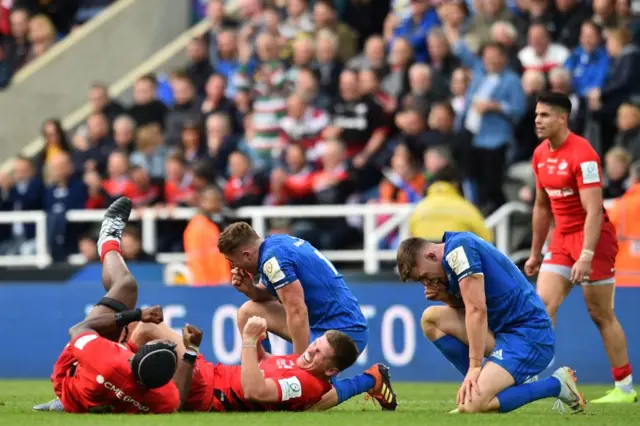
column 265, row 382
column 94, row 373
column 583, row 245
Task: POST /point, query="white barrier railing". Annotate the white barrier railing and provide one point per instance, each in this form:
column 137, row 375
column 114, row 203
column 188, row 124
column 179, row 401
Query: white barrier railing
column 370, row 255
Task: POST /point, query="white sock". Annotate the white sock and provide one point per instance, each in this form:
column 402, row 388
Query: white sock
column 626, row 384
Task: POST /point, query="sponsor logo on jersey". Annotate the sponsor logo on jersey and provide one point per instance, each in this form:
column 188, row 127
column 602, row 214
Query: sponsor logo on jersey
column 458, row 261
column 120, row 394
column 496, row 354
column 557, row 193
column 590, row 172
column 291, row 388
column 272, row 270
column 563, row 165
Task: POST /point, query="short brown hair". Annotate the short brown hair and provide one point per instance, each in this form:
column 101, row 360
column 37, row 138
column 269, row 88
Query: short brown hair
column 346, row 351
column 407, row 255
column 235, row 236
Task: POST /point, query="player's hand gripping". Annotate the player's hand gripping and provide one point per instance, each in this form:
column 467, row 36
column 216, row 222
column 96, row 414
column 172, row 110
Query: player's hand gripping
column 581, row 270
column 152, row 315
column 469, row 388
column 532, row 266
column 255, row 330
column 191, row 337
column 241, row 280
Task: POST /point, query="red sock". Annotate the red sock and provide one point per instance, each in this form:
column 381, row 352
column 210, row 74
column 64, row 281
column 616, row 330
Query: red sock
column 621, row 373
column 111, row 245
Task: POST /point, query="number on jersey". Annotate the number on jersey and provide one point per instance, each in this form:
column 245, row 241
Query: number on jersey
column 327, row 261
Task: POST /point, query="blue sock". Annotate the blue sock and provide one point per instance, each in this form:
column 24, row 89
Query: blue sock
column 348, row 388
column 455, row 351
column 266, row 344
column 517, row 396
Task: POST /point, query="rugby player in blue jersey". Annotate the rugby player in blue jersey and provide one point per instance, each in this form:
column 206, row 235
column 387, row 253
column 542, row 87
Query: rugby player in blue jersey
column 493, row 312
column 301, row 295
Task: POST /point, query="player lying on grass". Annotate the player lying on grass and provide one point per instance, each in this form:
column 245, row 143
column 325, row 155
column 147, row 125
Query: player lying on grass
column 486, row 292
column 300, row 294
column 94, row 373
column 264, row 382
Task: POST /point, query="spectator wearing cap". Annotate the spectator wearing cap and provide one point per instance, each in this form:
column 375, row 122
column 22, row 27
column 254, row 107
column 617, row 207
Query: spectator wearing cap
column 628, row 136
column 207, row 266
column 445, row 209
column 199, row 68
column 216, row 102
column 186, row 108
column 100, row 102
column 624, row 215
column 373, row 56
column 493, row 106
column 416, row 27
column 23, row 191
column 150, row 150
column 220, row 142
column 146, row 108
column 325, row 17
column 267, row 86
column 589, row 62
column 192, row 144
column 244, row 187
column 303, row 125
column 65, row 192
column 541, row 54
column 327, row 65
column 124, row 133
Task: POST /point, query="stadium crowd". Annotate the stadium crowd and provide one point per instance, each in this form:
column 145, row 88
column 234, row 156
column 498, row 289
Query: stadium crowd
column 28, row 28
column 318, row 102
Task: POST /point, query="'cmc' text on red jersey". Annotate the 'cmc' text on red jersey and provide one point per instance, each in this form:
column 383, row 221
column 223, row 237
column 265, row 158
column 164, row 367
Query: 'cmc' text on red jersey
column 93, row 375
column 562, row 173
column 219, row 388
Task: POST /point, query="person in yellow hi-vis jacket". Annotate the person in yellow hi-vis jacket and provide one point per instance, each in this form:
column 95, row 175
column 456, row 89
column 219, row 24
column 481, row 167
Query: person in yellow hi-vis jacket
column 624, row 215
column 206, row 264
column 445, row 209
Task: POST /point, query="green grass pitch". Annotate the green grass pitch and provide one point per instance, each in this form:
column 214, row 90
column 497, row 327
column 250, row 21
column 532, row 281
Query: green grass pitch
column 422, row 404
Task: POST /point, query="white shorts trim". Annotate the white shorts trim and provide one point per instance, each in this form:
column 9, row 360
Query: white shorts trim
column 561, row 270
column 565, row 272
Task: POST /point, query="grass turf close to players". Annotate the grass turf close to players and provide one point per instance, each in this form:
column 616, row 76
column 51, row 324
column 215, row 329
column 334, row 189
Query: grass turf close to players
column 419, row 404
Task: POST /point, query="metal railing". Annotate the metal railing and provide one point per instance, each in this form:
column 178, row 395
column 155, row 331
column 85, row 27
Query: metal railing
column 370, row 255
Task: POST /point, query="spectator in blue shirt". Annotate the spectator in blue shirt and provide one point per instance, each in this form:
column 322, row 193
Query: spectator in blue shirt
column 416, row 27
column 589, row 62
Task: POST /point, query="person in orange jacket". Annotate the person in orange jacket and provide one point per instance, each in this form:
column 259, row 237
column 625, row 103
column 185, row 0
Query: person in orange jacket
column 624, row 215
column 206, row 264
